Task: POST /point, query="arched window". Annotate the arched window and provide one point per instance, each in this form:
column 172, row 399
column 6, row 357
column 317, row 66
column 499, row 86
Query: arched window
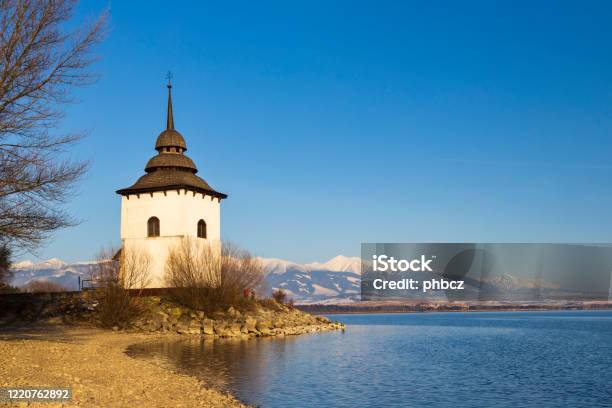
column 153, row 227
column 201, row 229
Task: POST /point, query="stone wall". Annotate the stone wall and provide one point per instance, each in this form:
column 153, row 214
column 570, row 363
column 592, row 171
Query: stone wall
column 27, row 307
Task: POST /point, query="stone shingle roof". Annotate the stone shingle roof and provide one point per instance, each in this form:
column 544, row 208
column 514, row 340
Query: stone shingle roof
column 166, row 180
column 170, row 160
column 170, row 138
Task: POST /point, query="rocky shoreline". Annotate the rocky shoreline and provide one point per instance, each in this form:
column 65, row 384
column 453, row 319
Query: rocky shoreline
column 260, row 319
column 63, row 347
column 278, row 320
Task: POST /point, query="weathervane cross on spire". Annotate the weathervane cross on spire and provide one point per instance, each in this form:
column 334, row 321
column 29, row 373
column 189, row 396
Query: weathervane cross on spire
column 169, row 78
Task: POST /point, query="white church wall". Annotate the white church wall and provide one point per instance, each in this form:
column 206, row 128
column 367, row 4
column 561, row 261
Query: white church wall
column 178, row 214
column 157, row 249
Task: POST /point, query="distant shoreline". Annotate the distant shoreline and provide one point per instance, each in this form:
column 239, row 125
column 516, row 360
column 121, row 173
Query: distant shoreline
column 393, row 307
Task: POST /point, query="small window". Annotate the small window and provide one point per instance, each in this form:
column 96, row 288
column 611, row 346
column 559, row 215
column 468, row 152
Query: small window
column 201, row 229
column 153, row 227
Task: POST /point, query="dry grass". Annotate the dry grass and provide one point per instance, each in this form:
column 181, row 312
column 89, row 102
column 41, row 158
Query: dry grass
column 270, row 304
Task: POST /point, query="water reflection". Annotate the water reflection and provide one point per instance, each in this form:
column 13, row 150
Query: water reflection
column 222, row 363
column 543, row 359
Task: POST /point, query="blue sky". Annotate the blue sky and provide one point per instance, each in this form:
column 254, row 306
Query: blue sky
column 335, row 123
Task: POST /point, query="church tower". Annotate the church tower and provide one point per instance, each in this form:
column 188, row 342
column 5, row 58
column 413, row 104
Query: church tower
column 169, row 202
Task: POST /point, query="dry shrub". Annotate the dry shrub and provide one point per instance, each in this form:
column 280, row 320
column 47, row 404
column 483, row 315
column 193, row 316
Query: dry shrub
column 116, row 276
column 43, row 286
column 279, row 296
column 291, row 304
column 212, row 276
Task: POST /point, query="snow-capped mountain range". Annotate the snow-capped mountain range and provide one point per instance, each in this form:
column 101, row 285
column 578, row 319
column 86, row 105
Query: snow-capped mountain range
column 53, row 270
column 337, row 280
column 338, row 264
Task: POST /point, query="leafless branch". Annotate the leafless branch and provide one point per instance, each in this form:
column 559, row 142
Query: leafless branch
column 40, row 63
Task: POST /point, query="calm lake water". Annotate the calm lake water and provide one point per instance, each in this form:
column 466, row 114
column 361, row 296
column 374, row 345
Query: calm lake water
column 513, row 359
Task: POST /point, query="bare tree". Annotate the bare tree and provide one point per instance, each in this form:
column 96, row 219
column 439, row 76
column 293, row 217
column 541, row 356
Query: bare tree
column 212, row 276
column 40, row 62
column 127, row 268
column 121, row 280
column 5, row 264
column 193, row 265
column 5, row 270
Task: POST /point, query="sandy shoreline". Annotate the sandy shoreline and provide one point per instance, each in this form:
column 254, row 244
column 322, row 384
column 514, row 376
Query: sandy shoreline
column 92, row 361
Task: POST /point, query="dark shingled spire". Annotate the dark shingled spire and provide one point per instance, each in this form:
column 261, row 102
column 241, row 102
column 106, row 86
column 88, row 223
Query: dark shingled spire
column 171, row 169
column 170, row 137
column 170, row 117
